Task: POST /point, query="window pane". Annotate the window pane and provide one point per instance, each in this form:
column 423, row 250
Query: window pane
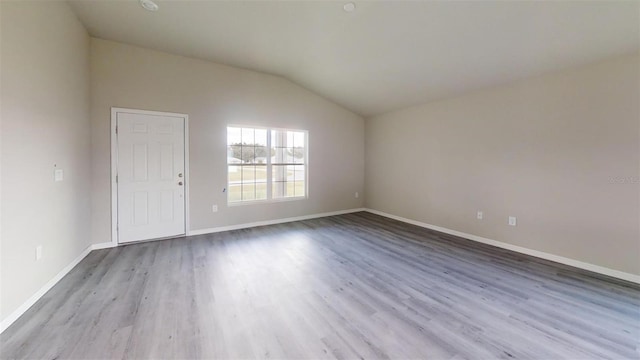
column 261, row 155
column 235, row 174
column 234, row 154
column 291, row 172
column 298, row 155
column 248, row 191
column 299, row 188
column 261, row 137
column 298, row 139
column 299, row 172
column 235, row 193
column 289, row 138
column 247, row 136
column 290, row 189
column 261, row 174
column 289, row 155
column 248, row 174
column 261, row 191
column 234, row 136
column 248, row 154
column 277, row 139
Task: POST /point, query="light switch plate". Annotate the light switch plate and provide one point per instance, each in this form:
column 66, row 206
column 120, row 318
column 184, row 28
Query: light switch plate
column 512, row 220
column 58, row 175
column 480, row 215
column 214, row 208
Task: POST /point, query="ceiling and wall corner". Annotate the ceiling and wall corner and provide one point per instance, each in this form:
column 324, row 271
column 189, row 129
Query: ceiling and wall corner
column 384, row 55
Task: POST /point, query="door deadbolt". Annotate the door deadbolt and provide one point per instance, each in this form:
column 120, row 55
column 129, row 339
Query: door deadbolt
column 180, row 183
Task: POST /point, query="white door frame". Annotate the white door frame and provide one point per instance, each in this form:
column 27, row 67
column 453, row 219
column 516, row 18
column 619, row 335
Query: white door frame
column 114, row 166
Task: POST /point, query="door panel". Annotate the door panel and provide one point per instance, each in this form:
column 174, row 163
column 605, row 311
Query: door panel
column 140, row 165
column 151, row 196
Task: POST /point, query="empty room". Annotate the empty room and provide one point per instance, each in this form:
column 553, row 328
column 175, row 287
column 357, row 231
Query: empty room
column 199, row 179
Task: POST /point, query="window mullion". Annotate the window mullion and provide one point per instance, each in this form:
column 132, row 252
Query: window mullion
column 241, row 172
column 269, row 186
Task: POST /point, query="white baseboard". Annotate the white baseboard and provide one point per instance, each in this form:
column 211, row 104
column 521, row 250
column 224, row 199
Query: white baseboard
column 51, row 283
column 35, row 297
column 539, row 254
column 104, row 245
column 271, row 222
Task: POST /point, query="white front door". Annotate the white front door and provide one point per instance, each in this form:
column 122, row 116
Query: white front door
column 150, row 176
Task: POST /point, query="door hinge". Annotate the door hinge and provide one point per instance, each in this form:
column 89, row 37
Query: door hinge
column 116, row 129
column 116, row 178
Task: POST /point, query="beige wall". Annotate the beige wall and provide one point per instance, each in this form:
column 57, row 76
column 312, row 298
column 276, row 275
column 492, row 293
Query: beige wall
column 45, row 121
column 560, row 152
column 213, row 96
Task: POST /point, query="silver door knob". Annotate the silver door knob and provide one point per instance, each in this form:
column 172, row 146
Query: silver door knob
column 180, row 183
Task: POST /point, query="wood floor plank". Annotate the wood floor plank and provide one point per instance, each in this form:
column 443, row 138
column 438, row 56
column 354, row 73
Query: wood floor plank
column 343, row 287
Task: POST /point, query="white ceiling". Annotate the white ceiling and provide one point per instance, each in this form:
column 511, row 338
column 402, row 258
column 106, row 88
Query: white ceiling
column 386, row 54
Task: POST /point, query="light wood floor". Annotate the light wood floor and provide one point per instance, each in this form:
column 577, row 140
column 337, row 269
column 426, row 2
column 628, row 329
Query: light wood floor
column 351, row 286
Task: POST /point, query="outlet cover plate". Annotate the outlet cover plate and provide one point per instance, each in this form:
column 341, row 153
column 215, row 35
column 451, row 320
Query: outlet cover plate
column 58, row 175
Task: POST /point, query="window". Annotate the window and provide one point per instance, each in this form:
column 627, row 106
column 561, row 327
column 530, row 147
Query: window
column 266, row 164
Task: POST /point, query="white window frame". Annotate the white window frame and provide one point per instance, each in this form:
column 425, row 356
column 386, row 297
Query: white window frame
column 269, row 198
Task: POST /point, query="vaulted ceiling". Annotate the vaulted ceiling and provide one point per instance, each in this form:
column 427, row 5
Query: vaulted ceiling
column 384, row 55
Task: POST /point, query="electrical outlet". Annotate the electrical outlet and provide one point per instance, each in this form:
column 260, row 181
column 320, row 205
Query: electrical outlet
column 479, row 215
column 38, row 252
column 214, row 208
column 512, row 220
column 357, row 195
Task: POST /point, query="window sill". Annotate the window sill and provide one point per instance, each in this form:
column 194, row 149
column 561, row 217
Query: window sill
column 267, row 201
